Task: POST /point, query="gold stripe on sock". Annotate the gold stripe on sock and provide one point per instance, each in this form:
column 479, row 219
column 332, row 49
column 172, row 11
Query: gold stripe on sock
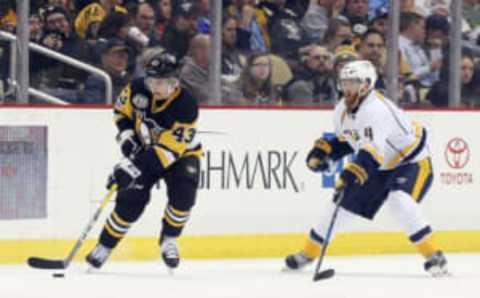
column 427, row 247
column 311, row 249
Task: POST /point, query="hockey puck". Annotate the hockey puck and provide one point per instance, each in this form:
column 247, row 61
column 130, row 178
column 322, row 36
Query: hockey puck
column 59, row 275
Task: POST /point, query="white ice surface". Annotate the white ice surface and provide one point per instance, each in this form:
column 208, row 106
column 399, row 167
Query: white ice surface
column 399, row 276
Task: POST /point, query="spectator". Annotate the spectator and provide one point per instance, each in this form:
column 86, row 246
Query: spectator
column 316, row 20
column 372, row 48
column 114, row 25
column 8, row 17
column 471, row 12
column 316, row 84
column 58, row 78
column 163, row 10
column 357, row 12
column 379, row 21
column 254, row 87
column 247, row 17
column 144, row 18
column 411, row 42
column 339, row 32
column 470, row 79
column 114, row 56
column 232, row 60
column 89, row 19
column 180, row 31
column 194, row 73
column 35, row 25
column 203, row 25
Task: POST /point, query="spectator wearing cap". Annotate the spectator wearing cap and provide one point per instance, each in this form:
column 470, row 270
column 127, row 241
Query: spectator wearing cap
column 411, row 43
column 379, row 20
column 114, row 56
column 194, row 72
column 88, row 20
column 55, row 77
column 315, row 85
column 180, row 31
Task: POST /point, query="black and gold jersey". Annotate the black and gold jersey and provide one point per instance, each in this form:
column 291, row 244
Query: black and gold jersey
column 169, row 125
column 91, row 15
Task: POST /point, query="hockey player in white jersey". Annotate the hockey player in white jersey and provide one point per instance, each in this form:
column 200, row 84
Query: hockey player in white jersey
column 391, row 166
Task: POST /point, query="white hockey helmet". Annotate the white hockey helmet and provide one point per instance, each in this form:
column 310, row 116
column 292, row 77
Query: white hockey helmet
column 362, row 70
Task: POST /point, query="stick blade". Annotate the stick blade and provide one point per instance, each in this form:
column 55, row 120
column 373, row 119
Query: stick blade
column 41, row 263
column 325, row 274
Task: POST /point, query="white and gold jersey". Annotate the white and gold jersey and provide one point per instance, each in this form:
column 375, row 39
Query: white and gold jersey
column 383, row 130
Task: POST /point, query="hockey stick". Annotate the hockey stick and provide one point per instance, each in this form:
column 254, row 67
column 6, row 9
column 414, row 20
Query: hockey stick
column 43, row 263
column 328, row 273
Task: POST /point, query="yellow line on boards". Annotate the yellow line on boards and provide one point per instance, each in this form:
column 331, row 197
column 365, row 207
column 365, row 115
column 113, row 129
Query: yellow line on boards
column 240, row 246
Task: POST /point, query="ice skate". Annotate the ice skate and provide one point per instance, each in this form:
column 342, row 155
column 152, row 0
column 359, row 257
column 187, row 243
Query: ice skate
column 98, row 256
column 436, row 265
column 170, row 254
column 297, row 261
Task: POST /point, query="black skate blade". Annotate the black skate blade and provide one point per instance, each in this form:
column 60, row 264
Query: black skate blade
column 324, row 274
column 41, row 263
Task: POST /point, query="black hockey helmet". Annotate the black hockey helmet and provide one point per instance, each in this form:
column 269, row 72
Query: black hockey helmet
column 162, row 65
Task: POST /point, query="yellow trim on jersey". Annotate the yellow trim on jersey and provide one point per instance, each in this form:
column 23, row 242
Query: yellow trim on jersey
column 408, row 149
column 124, row 106
column 323, row 145
column 112, row 232
column 422, row 176
column 172, row 223
column 358, row 171
column 374, row 153
column 163, row 157
column 119, row 220
column 195, row 153
column 165, row 102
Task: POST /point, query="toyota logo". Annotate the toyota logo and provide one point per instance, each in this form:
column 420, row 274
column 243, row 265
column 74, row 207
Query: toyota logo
column 457, row 153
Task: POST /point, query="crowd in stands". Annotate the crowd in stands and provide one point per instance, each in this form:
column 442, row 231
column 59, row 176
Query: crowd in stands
column 274, row 52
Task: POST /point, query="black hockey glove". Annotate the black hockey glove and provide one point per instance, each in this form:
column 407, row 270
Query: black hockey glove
column 126, row 175
column 317, row 158
column 129, row 143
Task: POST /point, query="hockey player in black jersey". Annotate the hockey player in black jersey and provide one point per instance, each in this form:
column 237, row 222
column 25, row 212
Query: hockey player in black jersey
column 156, row 121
